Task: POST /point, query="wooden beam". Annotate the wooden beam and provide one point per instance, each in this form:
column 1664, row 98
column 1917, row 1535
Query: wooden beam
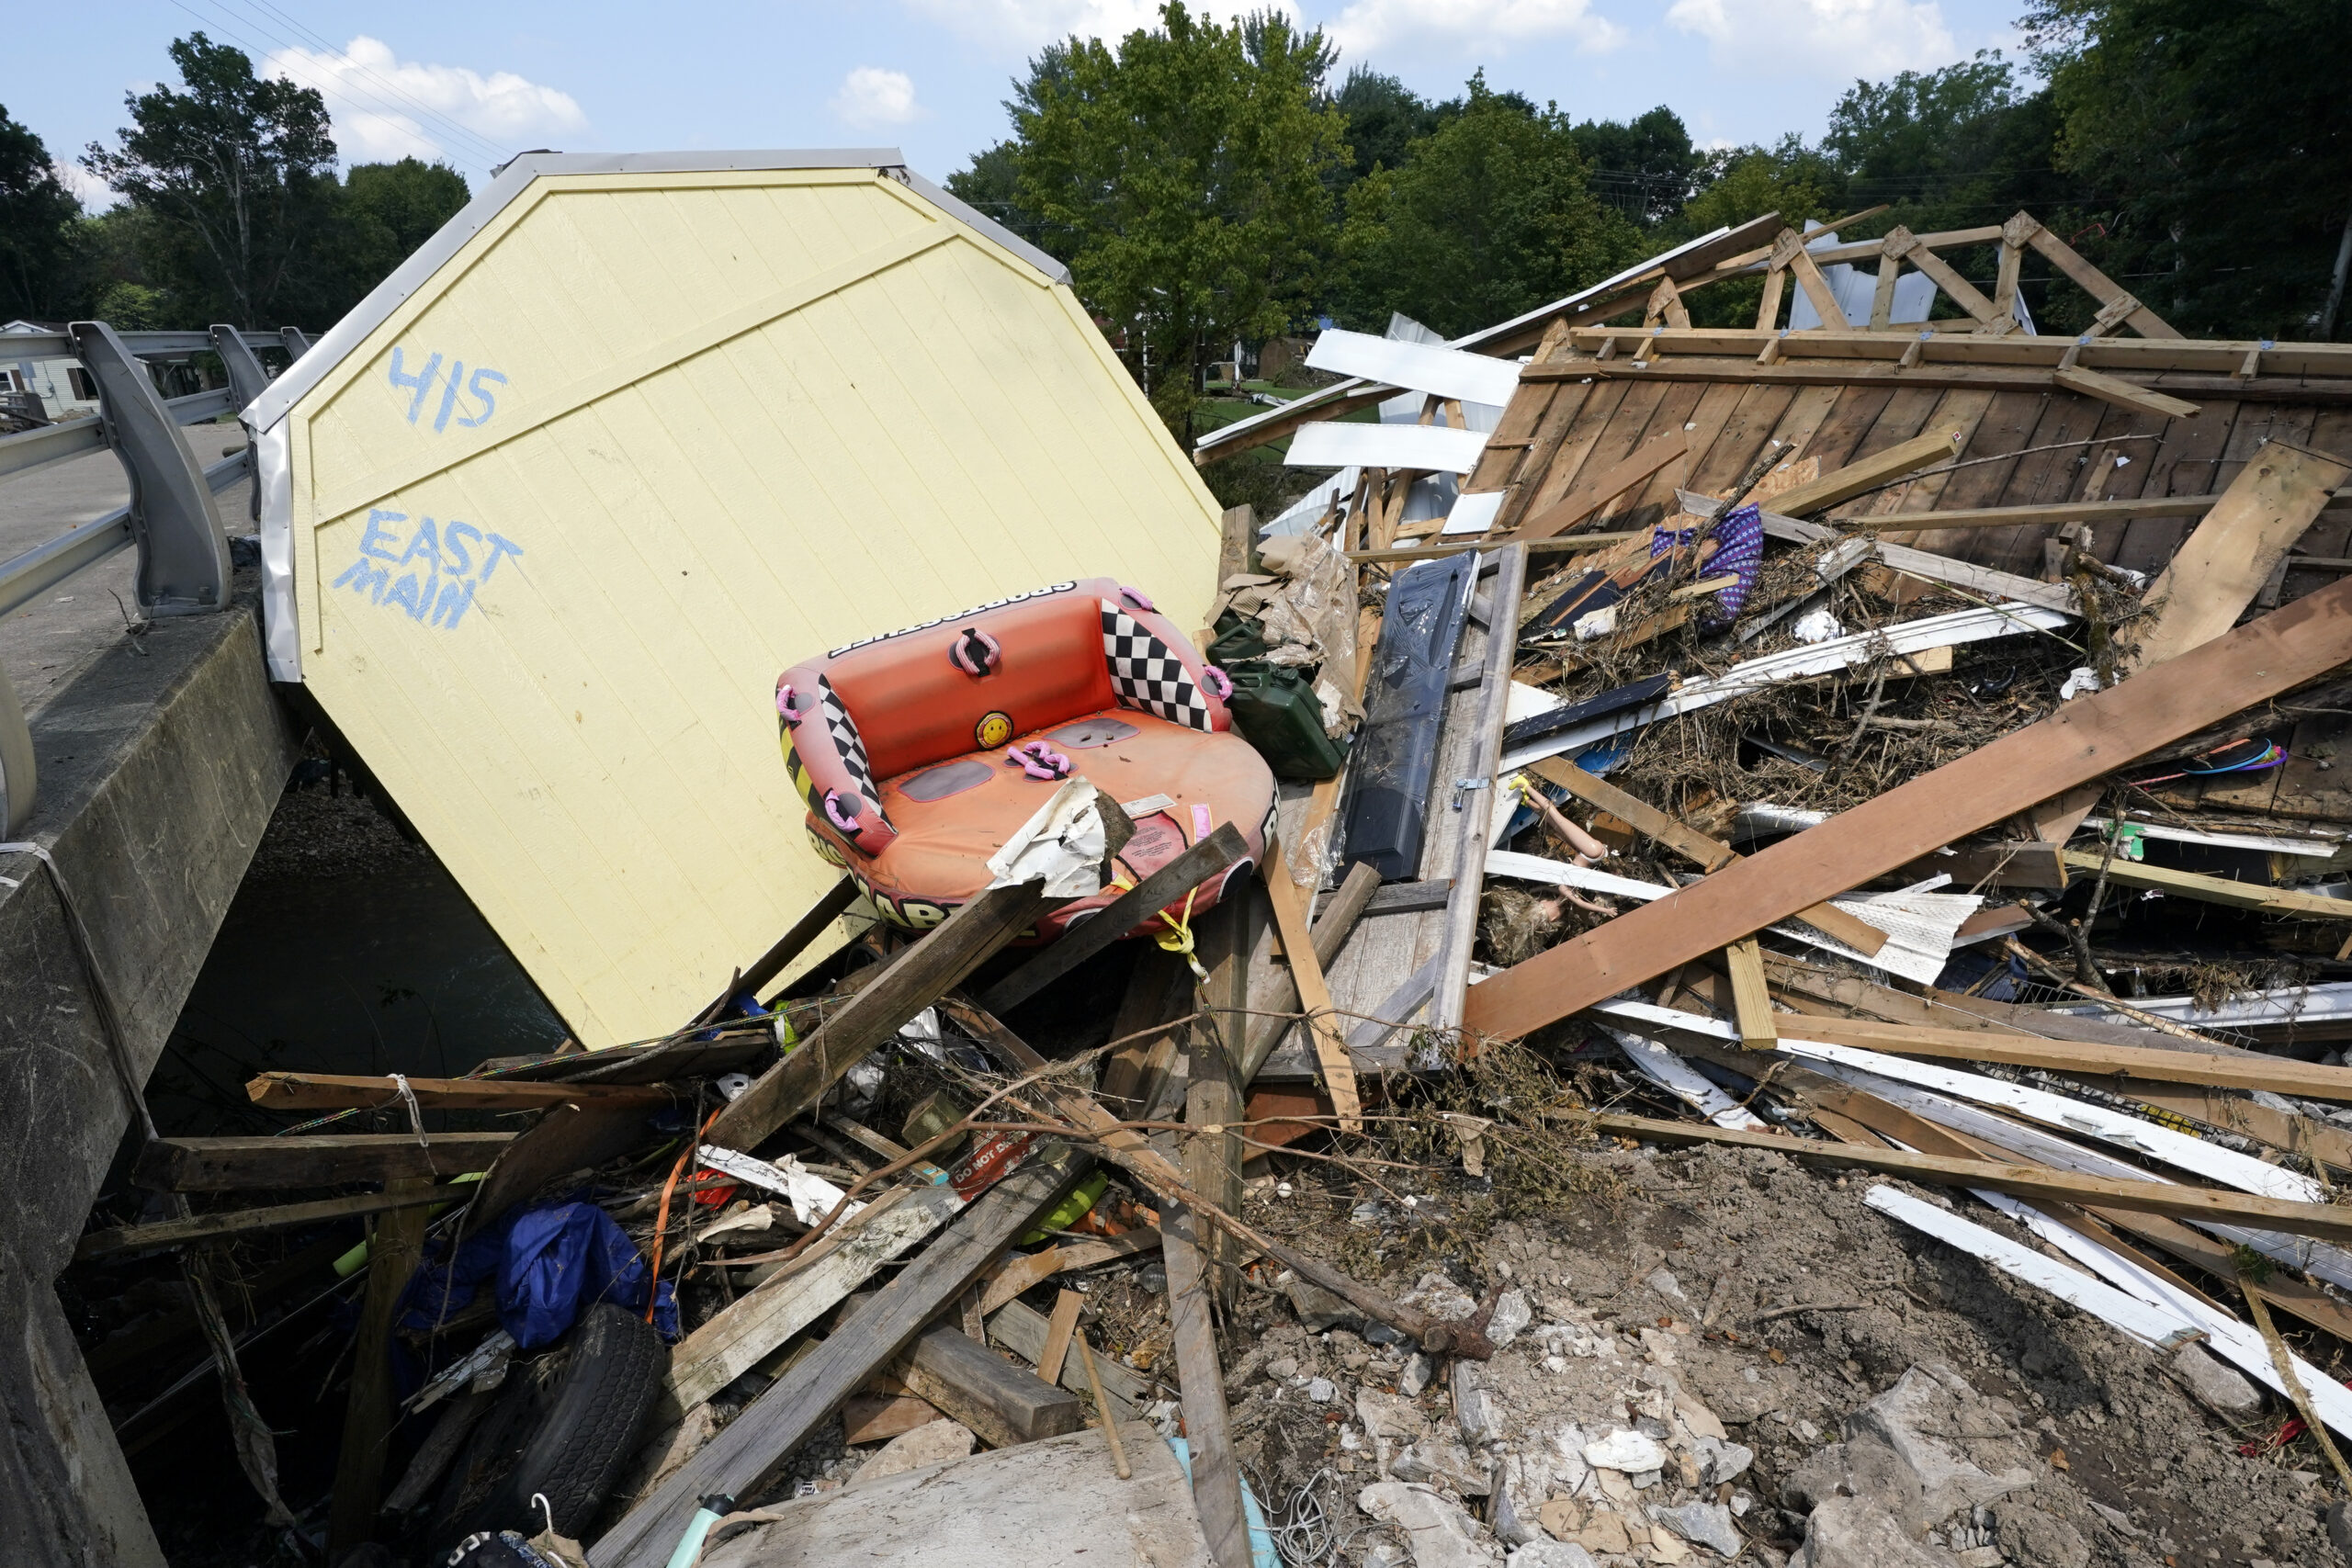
column 1962, row 292
column 776, row 1422
column 249, row 1222
column 1323, row 1026
column 1751, row 1001
column 2216, row 361
column 1864, row 249
column 231, row 1165
column 1274, row 991
column 2235, row 1069
column 1611, row 483
column 1867, row 473
column 1019, row 1274
column 1816, row 288
column 394, row 1240
column 1216, row 1470
column 2095, row 283
column 917, row 978
column 2084, row 740
column 338, row 1091
column 1059, row 1329
column 1138, row 904
column 2217, row 570
column 1004, row 1404
column 1570, row 545
column 758, row 1323
column 1692, row 845
column 2122, row 393
column 2289, row 1131
column 2325, row 1221
column 1932, row 370
column 2254, row 896
column 829, row 907
column 2056, row 513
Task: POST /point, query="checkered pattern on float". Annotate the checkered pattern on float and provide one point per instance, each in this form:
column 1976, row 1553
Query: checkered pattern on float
column 1146, row 673
column 844, row 729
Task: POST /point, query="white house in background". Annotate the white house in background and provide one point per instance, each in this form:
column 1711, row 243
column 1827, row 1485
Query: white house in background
column 66, row 390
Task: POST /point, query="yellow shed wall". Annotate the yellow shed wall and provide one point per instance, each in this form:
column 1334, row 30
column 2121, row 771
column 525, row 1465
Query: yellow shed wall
column 745, row 417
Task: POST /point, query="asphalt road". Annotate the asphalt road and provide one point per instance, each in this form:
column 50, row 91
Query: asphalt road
column 48, row 642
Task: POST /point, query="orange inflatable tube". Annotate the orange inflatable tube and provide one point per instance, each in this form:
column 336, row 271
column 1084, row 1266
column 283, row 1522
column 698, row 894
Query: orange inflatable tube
column 920, row 751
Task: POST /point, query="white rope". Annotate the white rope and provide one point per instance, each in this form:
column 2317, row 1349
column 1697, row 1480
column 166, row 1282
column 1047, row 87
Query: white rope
column 415, row 1115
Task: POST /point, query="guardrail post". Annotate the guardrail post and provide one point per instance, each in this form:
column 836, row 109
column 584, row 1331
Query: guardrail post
column 296, row 344
column 183, row 550
column 248, row 379
column 19, row 781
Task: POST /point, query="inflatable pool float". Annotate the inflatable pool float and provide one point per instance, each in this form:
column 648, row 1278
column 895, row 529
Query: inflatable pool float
column 920, row 752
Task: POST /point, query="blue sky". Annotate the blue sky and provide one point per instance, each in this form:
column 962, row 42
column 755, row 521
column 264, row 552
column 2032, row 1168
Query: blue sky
column 472, row 82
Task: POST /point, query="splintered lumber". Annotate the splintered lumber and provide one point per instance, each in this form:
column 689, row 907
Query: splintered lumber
column 231, row 1165
column 1751, row 1000
column 907, row 984
column 776, row 1422
column 1129, row 1150
column 757, row 1323
column 1692, row 845
column 249, row 1221
column 2215, row 1069
column 2222, row 566
column 2254, row 896
column 1004, row 1404
column 1867, row 473
column 1323, row 1026
column 1167, row 885
column 2288, row 1130
column 2122, row 393
column 1018, row 1274
column 1216, row 1471
column 1022, row 1329
column 1273, row 992
column 1059, row 1329
column 2205, row 1204
column 394, row 1240
column 1613, row 482
column 2084, row 738
column 338, row 1091
column 821, row 914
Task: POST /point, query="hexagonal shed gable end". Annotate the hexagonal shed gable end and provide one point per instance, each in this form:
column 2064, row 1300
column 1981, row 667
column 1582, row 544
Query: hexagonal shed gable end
column 544, row 517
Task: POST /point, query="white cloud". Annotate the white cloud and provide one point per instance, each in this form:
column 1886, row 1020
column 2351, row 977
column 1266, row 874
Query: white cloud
column 1469, row 25
column 1841, row 39
column 87, row 189
column 385, row 108
column 1025, row 25
column 872, row 96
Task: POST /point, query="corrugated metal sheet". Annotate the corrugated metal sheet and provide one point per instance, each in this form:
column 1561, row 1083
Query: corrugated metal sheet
column 639, row 443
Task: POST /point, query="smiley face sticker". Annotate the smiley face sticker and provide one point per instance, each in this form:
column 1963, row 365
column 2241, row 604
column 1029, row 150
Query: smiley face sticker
column 993, row 730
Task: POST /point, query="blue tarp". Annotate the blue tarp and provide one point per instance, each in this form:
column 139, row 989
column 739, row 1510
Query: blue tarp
column 546, row 1265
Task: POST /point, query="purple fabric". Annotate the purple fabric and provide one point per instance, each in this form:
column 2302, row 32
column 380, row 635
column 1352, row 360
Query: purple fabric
column 1739, row 548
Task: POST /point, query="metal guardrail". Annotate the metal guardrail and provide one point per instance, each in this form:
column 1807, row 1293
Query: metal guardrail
column 172, row 520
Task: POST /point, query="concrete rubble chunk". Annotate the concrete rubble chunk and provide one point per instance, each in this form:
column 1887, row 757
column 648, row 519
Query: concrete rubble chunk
column 1722, row 1461
column 1319, row 1309
column 1931, row 1445
column 1415, row 1376
column 1444, row 1461
column 1440, row 1534
column 1511, row 1315
column 2026, row 1534
column 1550, row 1554
column 1701, row 1524
column 1386, row 1415
column 1856, row 1532
column 2221, row 1389
column 1477, row 1410
column 1628, row 1451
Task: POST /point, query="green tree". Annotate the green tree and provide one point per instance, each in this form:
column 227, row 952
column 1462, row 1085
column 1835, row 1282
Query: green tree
column 1383, row 117
column 1490, row 216
column 2217, row 138
column 37, row 217
column 1646, row 167
column 1182, row 178
column 382, row 212
column 239, row 171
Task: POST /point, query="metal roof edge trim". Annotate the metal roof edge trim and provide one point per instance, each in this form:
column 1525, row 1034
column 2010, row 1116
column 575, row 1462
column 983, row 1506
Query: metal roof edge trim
column 957, row 206
column 338, row 340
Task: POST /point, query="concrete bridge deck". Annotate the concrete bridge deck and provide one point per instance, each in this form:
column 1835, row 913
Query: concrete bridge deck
column 159, row 765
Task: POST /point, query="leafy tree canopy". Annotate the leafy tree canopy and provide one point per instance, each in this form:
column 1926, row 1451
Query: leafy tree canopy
column 36, row 215
column 1182, row 177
